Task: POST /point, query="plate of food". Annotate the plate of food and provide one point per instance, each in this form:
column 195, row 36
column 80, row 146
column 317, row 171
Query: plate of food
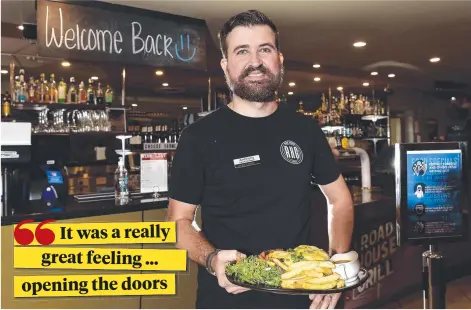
column 303, row 270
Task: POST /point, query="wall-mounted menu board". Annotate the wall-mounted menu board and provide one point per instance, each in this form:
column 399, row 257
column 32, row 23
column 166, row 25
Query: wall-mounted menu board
column 97, row 31
column 432, row 191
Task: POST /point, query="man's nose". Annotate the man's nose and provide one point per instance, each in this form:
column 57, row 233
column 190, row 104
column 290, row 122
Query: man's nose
column 255, row 60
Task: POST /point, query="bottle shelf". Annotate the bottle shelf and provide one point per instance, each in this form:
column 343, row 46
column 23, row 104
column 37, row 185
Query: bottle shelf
column 43, row 106
column 374, row 118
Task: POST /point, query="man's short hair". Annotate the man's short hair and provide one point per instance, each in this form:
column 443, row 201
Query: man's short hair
column 245, row 19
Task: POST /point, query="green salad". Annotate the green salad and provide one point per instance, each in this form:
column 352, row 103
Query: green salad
column 255, row 271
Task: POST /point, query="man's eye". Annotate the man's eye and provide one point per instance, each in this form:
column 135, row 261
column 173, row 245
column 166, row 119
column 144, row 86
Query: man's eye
column 266, row 50
column 242, row 52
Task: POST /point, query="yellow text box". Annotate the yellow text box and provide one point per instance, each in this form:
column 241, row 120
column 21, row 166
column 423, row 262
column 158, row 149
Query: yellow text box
column 94, row 285
column 102, row 233
column 100, row 258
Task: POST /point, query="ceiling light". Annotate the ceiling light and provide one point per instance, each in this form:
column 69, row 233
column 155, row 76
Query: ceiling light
column 292, row 84
column 94, row 78
column 21, row 27
column 65, row 64
column 317, row 79
column 366, row 84
column 340, row 88
column 184, row 108
column 134, row 104
column 290, row 93
column 159, row 72
column 165, row 84
column 453, row 98
column 374, row 73
column 391, row 75
column 359, row 44
column 435, row 59
column 317, row 66
column 4, row 71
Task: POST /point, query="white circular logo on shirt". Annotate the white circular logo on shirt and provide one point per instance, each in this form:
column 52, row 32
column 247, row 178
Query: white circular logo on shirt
column 291, row 152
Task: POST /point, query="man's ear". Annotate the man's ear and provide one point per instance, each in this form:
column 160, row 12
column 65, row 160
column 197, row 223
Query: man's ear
column 280, row 55
column 224, row 65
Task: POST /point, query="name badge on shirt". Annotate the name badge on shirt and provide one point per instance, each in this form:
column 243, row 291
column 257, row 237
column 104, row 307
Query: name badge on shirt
column 247, row 161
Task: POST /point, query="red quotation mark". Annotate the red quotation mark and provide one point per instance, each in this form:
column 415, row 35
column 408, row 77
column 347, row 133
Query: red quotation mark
column 24, row 236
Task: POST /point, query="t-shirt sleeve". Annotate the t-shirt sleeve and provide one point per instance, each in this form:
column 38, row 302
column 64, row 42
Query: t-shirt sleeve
column 325, row 168
column 186, row 179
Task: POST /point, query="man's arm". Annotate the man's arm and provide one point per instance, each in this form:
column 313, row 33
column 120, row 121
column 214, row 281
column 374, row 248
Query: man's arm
column 341, row 215
column 188, row 238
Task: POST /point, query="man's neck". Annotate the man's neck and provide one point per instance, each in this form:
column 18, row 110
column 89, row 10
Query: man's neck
column 252, row 109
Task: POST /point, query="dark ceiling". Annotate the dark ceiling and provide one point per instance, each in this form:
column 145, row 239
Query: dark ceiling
column 401, row 37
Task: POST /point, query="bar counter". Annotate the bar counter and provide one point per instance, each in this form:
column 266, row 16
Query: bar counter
column 74, row 209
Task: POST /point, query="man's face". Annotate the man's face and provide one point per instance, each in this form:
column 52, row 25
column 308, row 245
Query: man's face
column 253, row 67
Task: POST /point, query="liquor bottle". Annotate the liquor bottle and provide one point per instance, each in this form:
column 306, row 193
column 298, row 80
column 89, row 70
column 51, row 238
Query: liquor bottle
column 31, row 90
column 108, row 95
column 82, row 93
column 41, row 89
column 91, row 97
column 383, row 108
column 17, row 89
column 324, row 104
column 157, row 134
column 143, row 137
column 52, row 89
column 6, row 105
column 150, row 134
column 22, row 87
column 100, row 96
column 300, row 108
column 72, row 95
column 62, row 91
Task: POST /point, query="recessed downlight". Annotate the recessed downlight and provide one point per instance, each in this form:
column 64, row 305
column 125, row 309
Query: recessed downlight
column 290, row 93
column 374, row 73
column 359, row 44
column 391, row 75
column 94, row 78
column 340, row 88
column 317, row 66
column 184, row 108
column 453, row 98
column 435, row 59
column 159, row 72
column 21, row 27
column 134, row 104
column 291, row 84
column 317, row 79
column 366, row 84
column 4, row 71
column 65, row 64
column 164, row 84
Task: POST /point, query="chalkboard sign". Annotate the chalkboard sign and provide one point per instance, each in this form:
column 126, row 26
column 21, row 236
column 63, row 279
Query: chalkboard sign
column 432, row 185
column 97, row 31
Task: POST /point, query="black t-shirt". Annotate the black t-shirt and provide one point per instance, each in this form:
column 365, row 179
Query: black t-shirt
column 251, row 177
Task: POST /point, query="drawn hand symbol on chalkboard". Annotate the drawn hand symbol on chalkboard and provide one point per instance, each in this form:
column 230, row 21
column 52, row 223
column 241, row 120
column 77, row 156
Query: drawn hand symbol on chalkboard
column 180, row 49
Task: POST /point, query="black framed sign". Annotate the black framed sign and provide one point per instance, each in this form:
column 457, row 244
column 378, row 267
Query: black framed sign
column 102, row 32
column 432, row 191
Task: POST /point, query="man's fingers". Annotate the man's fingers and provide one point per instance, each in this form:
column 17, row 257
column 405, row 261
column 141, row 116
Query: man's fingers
column 335, row 300
column 326, row 302
column 316, row 301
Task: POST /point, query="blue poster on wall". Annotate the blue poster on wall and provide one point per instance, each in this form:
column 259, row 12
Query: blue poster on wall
column 433, row 193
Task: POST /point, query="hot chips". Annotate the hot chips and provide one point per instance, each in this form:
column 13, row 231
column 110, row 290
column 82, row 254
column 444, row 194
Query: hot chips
column 313, row 271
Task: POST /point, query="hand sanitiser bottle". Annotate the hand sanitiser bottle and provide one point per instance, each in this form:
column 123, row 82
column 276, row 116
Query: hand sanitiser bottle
column 121, row 180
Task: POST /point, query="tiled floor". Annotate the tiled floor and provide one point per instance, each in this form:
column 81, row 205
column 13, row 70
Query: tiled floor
column 458, row 296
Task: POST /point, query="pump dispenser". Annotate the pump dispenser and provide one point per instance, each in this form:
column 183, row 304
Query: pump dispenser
column 121, row 173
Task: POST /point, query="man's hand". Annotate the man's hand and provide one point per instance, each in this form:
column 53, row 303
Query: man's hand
column 324, row 301
column 219, row 264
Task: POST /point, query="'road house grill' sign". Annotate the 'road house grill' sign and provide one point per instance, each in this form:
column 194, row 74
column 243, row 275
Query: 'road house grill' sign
column 112, row 33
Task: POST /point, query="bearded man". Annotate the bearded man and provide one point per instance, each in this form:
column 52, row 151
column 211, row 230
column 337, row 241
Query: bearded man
column 249, row 166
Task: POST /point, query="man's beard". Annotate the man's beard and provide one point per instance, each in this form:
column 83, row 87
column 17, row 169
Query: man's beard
column 258, row 90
